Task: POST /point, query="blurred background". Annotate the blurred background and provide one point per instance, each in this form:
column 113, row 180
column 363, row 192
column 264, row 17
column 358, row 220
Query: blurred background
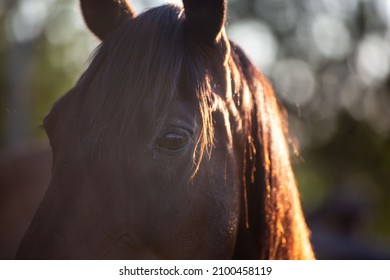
column 329, row 61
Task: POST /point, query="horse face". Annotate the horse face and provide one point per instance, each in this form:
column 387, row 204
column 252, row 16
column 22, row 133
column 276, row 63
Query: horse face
column 160, row 190
column 171, row 145
column 175, row 210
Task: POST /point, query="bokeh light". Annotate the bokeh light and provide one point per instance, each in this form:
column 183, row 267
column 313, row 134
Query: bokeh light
column 257, row 40
column 26, row 21
column 331, row 37
column 373, row 59
column 295, row 81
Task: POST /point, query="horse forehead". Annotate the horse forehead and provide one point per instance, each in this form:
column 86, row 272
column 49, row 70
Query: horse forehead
column 182, row 107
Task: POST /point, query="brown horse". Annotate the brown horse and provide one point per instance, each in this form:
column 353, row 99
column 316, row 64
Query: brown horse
column 24, row 178
column 171, row 146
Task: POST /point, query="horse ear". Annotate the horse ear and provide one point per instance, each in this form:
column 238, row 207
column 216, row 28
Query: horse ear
column 104, row 16
column 205, row 18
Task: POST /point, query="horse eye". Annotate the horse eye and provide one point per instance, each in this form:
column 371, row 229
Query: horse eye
column 172, row 141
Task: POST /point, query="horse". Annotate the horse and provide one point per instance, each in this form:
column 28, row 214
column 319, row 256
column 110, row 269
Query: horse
column 24, row 177
column 172, row 145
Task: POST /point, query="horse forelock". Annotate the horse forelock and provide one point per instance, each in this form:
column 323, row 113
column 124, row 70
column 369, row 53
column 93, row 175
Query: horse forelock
column 143, row 60
column 148, row 59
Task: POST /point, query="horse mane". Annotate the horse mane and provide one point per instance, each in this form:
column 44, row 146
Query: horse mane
column 274, row 225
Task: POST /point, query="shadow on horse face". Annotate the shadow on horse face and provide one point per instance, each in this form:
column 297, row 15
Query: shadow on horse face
column 171, row 145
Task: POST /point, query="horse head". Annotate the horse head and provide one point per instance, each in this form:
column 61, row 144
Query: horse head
column 171, row 145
